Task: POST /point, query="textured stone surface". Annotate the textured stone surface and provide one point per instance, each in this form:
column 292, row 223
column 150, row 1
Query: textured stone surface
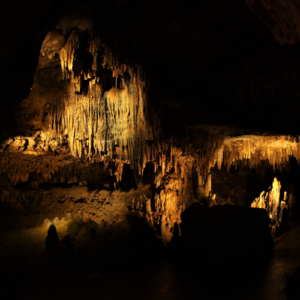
column 275, row 207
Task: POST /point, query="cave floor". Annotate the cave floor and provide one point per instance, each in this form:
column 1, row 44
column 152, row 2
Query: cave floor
column 120, row 266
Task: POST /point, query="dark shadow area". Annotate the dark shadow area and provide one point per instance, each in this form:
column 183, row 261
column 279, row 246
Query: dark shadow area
column 149, row 174
column 127, row 261
column 128, row 181
column 293, row 285
column 219, row 62
column 26, row 25
column 95, row 176
column 224, row 233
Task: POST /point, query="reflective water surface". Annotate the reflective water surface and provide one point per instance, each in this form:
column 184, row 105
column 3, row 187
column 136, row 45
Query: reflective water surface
column 141, row 278
column 166, row 280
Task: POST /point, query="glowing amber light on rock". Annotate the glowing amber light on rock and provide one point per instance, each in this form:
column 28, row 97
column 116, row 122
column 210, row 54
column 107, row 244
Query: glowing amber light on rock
column 272, row 203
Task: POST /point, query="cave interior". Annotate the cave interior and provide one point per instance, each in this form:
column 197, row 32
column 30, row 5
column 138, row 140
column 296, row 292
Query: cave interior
column 150, row 149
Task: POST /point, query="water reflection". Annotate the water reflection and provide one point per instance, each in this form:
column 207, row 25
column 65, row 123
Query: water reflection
column 171, row 281
column 141, row 278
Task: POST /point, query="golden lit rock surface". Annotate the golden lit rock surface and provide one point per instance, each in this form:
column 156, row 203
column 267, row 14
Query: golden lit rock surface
column 271, row 202
column 250, row 150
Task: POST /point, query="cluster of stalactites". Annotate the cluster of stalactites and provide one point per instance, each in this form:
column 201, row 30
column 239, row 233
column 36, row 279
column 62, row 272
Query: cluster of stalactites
column 198, row 154
column 175, row 164
column 250, row 151
column 94, row 48
column 114, row 122
column 271, row 202
column 112, row 62
column 67, row 54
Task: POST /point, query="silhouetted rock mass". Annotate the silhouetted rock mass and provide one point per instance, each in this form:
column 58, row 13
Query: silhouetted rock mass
column 226, row 233
column 174, row 246
column 92, row 232
column 52, row 238
column 68, row 248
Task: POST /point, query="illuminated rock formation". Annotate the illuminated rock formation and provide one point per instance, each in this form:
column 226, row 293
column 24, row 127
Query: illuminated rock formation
column 251, row 150
column 271, row 202
column 95, row 120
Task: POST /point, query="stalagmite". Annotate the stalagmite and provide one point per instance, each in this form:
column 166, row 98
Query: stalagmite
column 274, row 206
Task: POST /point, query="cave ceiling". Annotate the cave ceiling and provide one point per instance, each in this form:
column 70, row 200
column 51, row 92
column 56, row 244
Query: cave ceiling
column 178, row 86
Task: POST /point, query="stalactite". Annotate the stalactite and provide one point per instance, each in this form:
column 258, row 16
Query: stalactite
column 67, row 54
column 98, row 120
column 254, row 149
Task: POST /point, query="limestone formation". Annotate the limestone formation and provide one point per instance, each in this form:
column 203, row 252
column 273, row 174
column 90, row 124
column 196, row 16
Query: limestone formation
column 275, row 207
column 251, row 150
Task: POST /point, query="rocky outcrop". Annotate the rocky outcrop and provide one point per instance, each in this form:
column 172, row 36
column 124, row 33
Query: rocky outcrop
column 225, row 233
column 275, row 207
